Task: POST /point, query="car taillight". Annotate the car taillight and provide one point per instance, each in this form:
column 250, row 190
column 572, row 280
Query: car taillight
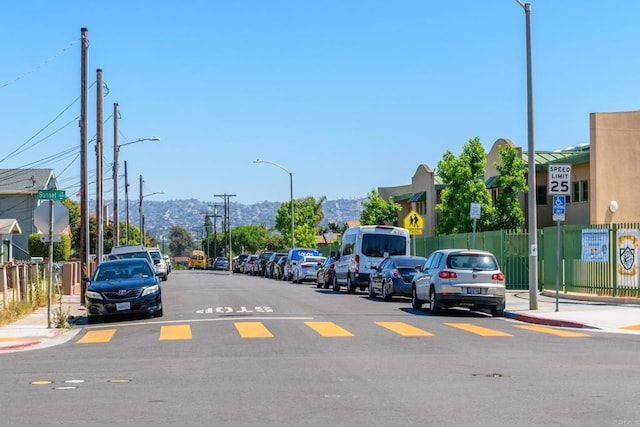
column 498, row 276
column 446, row 274
column 357, row 261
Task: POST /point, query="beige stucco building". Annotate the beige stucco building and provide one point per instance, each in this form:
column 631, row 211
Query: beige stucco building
column 605, row 175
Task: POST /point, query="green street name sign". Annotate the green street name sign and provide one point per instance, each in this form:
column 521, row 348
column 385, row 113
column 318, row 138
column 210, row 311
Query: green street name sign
column 51, row 195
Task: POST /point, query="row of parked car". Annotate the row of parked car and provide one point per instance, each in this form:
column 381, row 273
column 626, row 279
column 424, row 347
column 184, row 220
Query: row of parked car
column 447, row 278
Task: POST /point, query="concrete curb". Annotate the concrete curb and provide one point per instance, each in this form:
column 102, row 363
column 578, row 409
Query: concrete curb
column 528, row 318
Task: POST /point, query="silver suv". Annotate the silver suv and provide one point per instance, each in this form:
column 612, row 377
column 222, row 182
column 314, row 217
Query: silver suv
column 158, row 263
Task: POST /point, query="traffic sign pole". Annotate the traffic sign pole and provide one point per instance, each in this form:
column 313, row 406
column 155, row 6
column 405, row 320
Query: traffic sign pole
column 50, row 281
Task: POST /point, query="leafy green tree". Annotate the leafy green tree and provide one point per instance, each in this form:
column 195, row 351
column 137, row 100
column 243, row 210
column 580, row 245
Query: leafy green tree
column 377, row 211
column 249, row 238
column 74, row 225
column 463, row 177
column 181, row 243
column 308, row 214
column 511, row 182
column 61, row 250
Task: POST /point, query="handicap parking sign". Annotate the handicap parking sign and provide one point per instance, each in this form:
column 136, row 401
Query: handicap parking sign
column 558, row 207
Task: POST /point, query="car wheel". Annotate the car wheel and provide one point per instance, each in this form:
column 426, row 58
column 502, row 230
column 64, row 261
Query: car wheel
column 385, row 293
column 497, row 312
column 318, row 284
column 372, row 292
column 164, row 278
column 350, row 288
column 433, row 301
column 158, row 313
column 415, row 302
column 336, row 285
column 92, row 320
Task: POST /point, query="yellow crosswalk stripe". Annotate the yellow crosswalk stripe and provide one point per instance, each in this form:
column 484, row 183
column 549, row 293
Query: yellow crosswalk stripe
column 404, row 329
column 556, row 332
column 328, row 329
column 175, row 332
column 479, row 330
column 252, row 330
column 632, row 327
column 101, row 336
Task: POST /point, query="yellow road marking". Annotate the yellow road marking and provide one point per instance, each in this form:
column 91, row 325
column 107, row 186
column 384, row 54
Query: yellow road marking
column 404, row 329
column 93, row 337
column 252, row 330
column 175, row 332
column 478, row 330
column 328, row 329
column 632, row 327
column 556, row 332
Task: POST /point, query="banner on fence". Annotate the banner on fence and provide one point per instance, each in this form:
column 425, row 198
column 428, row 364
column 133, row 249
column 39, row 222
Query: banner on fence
column 595, row 245
column 626, row 261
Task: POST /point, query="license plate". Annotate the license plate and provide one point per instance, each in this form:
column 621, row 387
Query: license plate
column 123, row 306
column 474, row 291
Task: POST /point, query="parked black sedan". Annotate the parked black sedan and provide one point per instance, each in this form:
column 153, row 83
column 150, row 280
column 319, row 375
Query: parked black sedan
column 123, row 286
column 393, row 276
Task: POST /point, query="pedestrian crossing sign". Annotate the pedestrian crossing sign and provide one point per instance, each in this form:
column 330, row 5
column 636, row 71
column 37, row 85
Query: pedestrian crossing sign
column 414, row 223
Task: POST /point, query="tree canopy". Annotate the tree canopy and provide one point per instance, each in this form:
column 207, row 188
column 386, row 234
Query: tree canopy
column 377, row 211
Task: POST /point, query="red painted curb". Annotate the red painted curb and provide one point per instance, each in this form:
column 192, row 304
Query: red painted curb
column 550, row 322
column 17, row 346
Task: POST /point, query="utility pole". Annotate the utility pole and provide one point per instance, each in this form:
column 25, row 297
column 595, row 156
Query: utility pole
column 84, row 200
column 140, row 215
column 116, row 217
column 215, row 217
column 126, row 203
column 99, row 162
column 227, row 220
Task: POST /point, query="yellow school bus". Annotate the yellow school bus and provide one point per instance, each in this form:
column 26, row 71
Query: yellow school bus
column 197, row 260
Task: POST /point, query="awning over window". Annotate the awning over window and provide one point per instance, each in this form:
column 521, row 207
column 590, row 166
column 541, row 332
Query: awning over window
column 492, row 182
column 418, row 197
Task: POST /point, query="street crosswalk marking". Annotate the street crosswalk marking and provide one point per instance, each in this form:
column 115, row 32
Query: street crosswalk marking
column 479, row 330
column 328, row 329
column 556, row 332
column 252, row 330
column 101, row 336
column 175, row 332
column 257, row 329
column 632, row 327
column 404, row 329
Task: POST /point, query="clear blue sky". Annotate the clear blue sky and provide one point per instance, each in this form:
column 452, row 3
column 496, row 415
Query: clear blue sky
column 347, row 95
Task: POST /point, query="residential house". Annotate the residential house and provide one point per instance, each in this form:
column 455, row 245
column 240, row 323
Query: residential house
column 18, row 201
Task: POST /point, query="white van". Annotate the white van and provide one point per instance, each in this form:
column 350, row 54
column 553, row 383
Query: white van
column 363, row 247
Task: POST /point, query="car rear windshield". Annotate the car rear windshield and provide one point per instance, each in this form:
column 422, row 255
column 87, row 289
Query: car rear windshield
column 472, row 262
column 379, row 245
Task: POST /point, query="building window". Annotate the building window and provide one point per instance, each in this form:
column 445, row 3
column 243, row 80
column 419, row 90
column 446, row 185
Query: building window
column 585, row 191
column 576, row 191
column 541, row 195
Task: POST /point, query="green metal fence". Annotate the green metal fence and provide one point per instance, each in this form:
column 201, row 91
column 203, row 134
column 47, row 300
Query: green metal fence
column 576, row 275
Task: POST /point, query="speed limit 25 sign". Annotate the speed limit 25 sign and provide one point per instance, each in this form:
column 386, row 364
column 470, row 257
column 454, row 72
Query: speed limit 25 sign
column 559, row 179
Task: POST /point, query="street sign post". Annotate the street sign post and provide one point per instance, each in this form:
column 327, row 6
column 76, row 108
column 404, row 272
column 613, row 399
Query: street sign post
column 558, row 215
column 559, row 179
column 50, row 221
column 558, row 207
column 51, row 195
column 475, row 211
column 415, row 224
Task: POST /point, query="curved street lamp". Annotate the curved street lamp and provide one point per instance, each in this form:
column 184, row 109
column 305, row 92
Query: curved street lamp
column 291, row 195
column 141, row 211
column 116, row 149
column 531, row 178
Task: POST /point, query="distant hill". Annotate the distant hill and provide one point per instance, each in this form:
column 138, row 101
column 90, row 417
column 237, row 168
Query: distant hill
column 190, row 213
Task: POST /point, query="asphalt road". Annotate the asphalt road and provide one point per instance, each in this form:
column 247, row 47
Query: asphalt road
column 245, row 351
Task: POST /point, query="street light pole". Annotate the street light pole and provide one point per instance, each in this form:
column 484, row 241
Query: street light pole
column 116, row 150
column 141, row 212
column 291, row 196
column 532, row 202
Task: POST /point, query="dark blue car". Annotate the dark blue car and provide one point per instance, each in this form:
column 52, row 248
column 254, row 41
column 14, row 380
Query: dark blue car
column 123, row 286
column 393, row 276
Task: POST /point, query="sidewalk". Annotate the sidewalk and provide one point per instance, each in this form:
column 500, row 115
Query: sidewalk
column 32, row 331
column 621, row 315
